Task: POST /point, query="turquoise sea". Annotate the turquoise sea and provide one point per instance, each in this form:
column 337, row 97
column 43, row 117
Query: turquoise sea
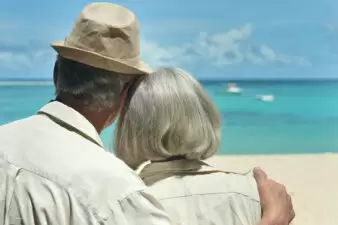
column 303, row 118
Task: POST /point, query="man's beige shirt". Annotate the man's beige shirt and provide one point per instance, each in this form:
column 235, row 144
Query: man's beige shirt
column 54, row 170
column 194, row 193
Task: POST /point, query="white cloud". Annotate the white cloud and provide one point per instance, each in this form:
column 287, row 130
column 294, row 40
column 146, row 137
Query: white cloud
column 19, row 60
column 9, row 59
column 16, row 57
column 268, row 53
column 265, row 55
column 222, row 49
column 157, row 56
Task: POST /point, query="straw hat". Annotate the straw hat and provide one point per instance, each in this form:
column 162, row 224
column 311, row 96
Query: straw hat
column 105, row 36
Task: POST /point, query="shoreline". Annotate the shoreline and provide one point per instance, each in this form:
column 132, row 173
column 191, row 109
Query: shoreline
column 26, row 83
column 311, row 180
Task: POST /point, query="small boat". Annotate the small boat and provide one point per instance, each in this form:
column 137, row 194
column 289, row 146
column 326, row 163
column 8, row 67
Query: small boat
column 265, row 98
column 233, row 89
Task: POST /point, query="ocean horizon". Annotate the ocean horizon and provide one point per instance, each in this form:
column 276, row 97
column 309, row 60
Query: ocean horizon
column 303, row 118
column 211, row 79
column 49, row 81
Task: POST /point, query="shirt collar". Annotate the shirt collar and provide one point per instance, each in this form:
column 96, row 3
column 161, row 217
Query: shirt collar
column 72, row 118
column 155, row 171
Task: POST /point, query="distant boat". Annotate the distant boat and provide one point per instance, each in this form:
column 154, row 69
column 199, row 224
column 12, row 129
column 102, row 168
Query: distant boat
column 231, row 89
column 265, row 98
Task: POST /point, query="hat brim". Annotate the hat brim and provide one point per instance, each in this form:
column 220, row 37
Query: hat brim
column 99, row 61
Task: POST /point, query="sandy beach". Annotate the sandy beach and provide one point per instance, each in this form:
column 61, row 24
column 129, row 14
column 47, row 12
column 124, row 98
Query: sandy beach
column 311, row 179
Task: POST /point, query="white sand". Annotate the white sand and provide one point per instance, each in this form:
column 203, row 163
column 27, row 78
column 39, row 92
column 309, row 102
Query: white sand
column 312, row 181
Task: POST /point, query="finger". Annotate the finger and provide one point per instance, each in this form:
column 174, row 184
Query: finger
column 292, row 215
column 289, row 199
column 259, row 175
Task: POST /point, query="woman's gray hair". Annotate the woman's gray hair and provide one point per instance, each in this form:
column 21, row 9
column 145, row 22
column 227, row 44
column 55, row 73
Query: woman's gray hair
column 167, row 114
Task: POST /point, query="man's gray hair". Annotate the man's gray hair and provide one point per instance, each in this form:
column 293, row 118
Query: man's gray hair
column 167, row 114
column 97, row 88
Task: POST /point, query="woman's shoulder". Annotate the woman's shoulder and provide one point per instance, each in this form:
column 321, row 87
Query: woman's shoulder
column 206, row 180
column 226, row 182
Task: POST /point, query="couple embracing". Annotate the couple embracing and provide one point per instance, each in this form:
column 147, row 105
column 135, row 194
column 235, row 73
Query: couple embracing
column 53, row 166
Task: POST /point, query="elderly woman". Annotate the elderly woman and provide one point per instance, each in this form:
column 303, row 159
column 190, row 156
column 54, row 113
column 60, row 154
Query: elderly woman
column 169, row 120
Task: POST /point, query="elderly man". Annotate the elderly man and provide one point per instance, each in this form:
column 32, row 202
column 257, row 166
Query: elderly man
column 53, row 167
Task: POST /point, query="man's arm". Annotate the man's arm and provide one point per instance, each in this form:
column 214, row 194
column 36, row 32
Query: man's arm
column 276, row 203
column 141, row 208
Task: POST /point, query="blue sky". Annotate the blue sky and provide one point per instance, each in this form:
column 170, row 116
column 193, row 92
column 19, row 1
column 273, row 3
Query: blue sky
column 211, row 39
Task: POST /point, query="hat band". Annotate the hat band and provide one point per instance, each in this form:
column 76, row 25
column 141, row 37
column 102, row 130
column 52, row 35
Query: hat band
column 134, row 61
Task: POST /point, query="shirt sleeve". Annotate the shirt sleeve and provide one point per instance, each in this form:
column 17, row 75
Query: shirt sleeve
column 244, row 210
column 141, row 208
column 37, row 200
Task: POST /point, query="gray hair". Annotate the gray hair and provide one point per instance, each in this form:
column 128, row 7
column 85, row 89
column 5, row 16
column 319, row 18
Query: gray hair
column 97, row 88
column 168, row 114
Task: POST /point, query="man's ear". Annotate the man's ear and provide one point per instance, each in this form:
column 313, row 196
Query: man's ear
column 128, row 87
column 122, row 98
column 117, row 109
column 128, row 91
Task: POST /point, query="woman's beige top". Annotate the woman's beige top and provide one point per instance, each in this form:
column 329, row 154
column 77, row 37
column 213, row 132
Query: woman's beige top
column 193, row 192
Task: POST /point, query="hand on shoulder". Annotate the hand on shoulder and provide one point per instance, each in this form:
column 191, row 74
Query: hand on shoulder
column 276, row 203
